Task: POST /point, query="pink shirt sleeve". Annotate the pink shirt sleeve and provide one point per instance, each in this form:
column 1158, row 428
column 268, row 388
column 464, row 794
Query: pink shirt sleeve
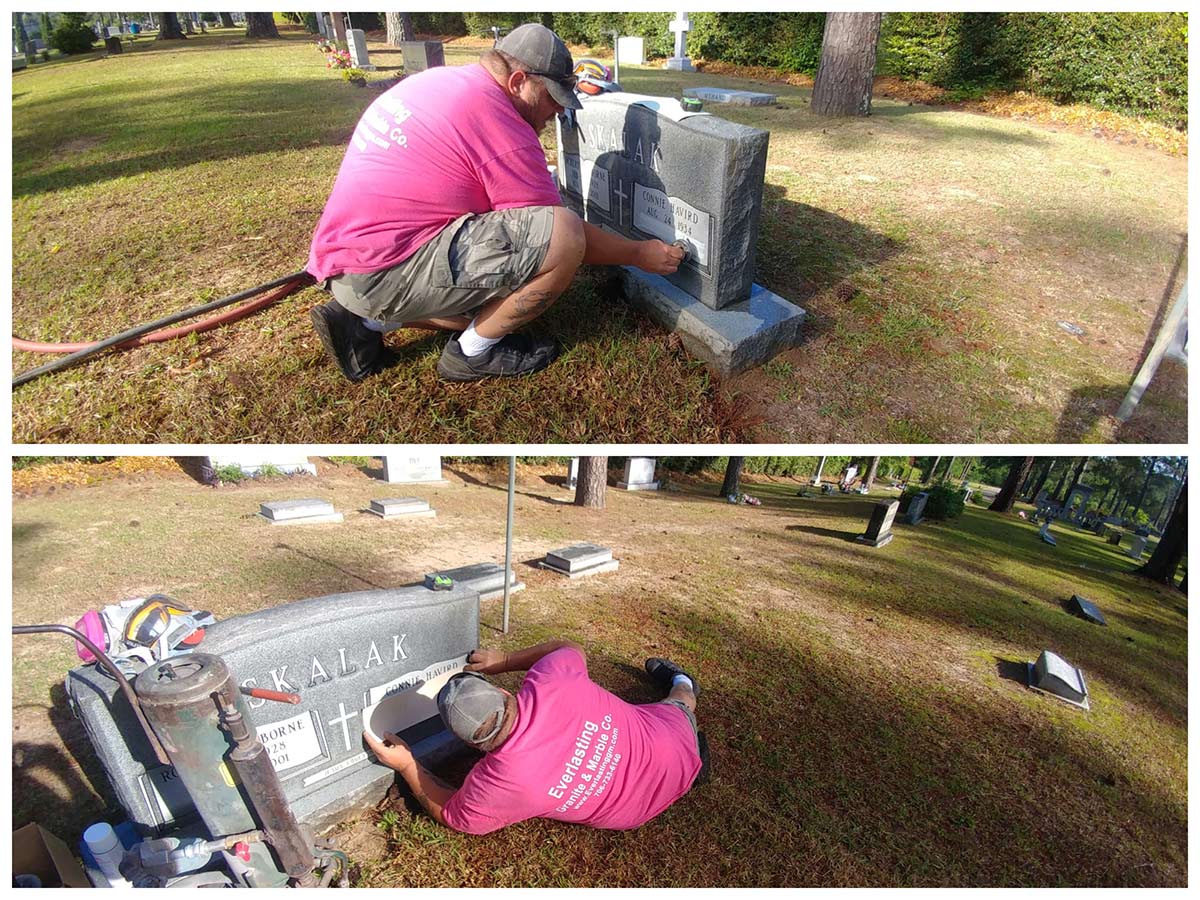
column 519, row 178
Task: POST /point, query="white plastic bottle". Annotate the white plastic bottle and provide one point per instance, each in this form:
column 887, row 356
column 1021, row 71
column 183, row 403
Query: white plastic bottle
column 106, row 847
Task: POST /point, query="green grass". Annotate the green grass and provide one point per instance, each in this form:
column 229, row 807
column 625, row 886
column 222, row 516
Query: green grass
column 862, row 724
column 171, row 174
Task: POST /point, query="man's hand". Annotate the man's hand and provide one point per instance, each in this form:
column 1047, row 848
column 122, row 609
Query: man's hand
column 657, row 258
column 391, row 751
column 487, row 662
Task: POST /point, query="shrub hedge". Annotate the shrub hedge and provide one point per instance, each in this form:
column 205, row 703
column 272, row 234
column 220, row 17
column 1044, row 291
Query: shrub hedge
column 1127, row 62
column 73, row 34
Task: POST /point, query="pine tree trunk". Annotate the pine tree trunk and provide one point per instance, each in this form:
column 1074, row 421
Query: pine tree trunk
column 1079, row 470
column 168, row 28
column 261, row 25
column 869, row 482
column 226, row 20
column 733, row 475
column 1172, row 545
column 591, row 481
column 338, row 20
column 1062, row 483
column 22, row 34
column 1145, row 486
column 399, row 28
column 845, row 76
column 1041, row 479
column 1008, row 493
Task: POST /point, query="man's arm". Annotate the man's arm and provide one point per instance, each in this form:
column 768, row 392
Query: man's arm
column 605, row 248
column 493, row 662
column 431, row 791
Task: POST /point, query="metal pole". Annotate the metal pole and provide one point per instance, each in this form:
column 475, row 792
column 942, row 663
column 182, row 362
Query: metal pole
column 616, row 58
column 1166, row 335
column 512, row 490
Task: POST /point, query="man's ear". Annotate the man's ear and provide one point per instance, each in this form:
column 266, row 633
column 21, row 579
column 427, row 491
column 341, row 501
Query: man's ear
column 515, row 80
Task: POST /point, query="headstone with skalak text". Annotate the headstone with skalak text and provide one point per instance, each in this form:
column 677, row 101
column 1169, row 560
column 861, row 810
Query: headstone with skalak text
column 343, row 655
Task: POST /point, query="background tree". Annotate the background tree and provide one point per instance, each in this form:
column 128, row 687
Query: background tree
column 22, row 34
column 168, row 28
column 846, row 74
column 1164, row 562
column 46, row 26
column 733, row 475
column 1008, row 493
column 1079, row 470
column 399, row 28
column 261, row 25
column 591, row 481
column 226, row 20
column 869, row 481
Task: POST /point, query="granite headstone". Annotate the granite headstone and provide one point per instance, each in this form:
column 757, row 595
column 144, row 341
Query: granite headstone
column 1055, row 676
column 639, row 474
column 1085, row 609
column 879, row 529
column 357, row 40
column 308, row 511
column 916, row 508
column 421, row 55
column 341, row 654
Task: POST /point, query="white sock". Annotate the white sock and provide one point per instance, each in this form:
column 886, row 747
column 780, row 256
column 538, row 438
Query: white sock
column 381, row 327
column 473, row 344
column 684, row 680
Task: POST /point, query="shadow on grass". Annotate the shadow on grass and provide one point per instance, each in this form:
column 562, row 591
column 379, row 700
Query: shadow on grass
column 1013, row 670
column 825, row 532
column 327, row 564
column 503, row 488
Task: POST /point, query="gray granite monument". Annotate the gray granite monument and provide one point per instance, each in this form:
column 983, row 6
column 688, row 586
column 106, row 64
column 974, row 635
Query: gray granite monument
column 357, row 40
column 1053, row 675
column 679, row 62
column 639, row 474
column 421, row 55
column 879, row 529
column 309, row 511
column 645, row 168
column 342, row 654
column 487, row 579
column 731, row 96
column 916, row 508
column 401, row 468
column 580, row 560
column 1085, row 609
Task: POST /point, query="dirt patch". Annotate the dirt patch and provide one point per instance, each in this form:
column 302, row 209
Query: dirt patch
column 75, row 146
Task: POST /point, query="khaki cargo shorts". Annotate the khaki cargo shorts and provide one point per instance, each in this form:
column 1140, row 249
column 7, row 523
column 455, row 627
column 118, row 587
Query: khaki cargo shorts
column 472, row 261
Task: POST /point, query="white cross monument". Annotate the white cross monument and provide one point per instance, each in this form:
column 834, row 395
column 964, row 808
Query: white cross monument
column 679, row 62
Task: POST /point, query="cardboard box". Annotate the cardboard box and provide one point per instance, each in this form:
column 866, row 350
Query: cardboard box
column 37, row 852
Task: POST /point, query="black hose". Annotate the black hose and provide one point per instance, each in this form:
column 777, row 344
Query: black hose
column 122, row 681
column 137, row 331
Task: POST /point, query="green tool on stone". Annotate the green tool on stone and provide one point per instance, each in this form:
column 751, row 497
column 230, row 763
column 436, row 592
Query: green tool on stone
column 691, row 104
column 439, row 582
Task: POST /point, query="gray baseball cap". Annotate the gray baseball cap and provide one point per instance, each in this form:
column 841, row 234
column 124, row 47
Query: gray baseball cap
column 547, row 57
column 468, row 700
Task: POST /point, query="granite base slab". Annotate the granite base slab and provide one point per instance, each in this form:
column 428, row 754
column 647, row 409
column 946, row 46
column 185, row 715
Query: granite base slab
column 611, row 566
column 731, row 340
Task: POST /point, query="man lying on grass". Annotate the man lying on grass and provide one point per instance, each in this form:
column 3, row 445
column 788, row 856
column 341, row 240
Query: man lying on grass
column 561, row 748
column 444, row 215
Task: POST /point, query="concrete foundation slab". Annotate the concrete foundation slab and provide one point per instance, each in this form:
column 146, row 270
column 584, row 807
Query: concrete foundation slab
column 402, row 508
column 597, row 569
column 730, row 340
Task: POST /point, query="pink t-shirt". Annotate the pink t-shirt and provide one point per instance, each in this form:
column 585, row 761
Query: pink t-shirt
column 578, row 754
column 440, row 144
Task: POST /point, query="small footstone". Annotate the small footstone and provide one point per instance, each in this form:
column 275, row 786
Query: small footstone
column 402, row 508
column 299, row 512
column 486, row 578
column 1085, row 609
column 731, row 96
column 1053, row 675
column 580, row 560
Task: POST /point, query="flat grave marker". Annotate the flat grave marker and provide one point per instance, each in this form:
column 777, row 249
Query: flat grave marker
column 1053, row 675
column 402, row 508
column 1085, row 609
column 309, row 511
column 580, row 560
column 731, row 96
column 486, row 578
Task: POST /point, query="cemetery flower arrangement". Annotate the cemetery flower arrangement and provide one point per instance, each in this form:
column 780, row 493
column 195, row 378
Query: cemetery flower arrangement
column 324, row 46
column 338, row 59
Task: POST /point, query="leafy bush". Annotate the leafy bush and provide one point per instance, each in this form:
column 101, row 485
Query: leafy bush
column 1128, row 62
column 481, row 23
column 450, row 24
column 309, row 21
column 73, row 34
column 229, row 474
column 355, row 76
column 788, row 41
column 945, row 502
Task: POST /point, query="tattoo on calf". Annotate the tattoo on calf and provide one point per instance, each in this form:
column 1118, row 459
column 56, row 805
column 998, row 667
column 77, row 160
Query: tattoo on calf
column 531, row 304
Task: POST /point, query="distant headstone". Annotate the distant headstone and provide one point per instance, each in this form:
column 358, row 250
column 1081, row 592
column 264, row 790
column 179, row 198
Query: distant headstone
column 402, row 508
column 421, row 55
column 1115, row 539
column 412, row 469
column 485, row 578
column 679, row 62
column 631, row 51
column 1045, row 535
column 916, row 508
column 1055, row 676
column 299, row 512
column 573, row 473
column 1138, row 547
column 879, row 529
column 254, row 460
column 357, row 40
column 731, row 96
column 1085, row 609
column 580, row 560
column 112, row 45
column 639, row 474
column 1099, row 529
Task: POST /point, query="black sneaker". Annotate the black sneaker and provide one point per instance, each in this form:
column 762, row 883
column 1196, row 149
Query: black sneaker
column 516, row 354
column 358, row 350
column 663, row 670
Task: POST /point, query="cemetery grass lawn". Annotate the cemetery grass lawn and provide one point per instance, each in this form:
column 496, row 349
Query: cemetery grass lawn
column 863, row 723
column 935, row 251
